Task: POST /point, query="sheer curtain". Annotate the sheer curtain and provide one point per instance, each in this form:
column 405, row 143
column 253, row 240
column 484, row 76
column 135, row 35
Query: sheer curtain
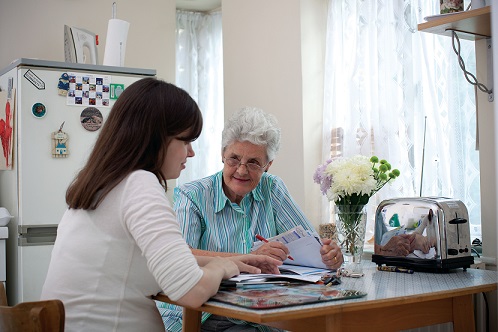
column 199, row 70
column 385, row 82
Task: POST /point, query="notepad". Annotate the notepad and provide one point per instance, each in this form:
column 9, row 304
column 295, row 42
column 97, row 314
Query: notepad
column 275, row 296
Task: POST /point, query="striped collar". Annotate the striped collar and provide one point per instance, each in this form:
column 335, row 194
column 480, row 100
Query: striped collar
column 221, row 200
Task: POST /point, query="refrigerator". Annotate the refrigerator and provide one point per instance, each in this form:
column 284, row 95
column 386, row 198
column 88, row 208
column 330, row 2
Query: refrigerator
column 56, row 110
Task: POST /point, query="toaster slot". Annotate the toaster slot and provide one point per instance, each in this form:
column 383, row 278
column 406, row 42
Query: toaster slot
column 457, row 221
column 452, row 252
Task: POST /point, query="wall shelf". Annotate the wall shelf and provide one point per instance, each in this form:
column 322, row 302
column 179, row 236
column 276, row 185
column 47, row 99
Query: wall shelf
column 471, row 24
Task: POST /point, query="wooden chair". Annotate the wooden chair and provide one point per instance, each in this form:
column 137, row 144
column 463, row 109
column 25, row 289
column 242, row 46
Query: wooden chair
column 38, row 316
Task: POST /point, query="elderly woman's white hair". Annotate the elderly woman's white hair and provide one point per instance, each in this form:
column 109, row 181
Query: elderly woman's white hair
column 255, row 126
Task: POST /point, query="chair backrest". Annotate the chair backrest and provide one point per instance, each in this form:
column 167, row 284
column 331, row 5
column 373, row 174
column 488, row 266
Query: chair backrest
column 38, row 316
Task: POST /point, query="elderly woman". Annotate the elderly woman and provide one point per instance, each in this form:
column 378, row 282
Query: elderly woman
column 221, row 214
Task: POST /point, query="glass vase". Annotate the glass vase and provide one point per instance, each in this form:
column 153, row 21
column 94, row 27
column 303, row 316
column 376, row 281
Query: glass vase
column 351, row 222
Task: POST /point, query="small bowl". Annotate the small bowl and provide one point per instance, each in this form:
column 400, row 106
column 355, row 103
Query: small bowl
column 4, row 216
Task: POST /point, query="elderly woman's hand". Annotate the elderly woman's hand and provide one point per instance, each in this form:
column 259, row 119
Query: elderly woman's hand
column 331, row 254
column 273, row 249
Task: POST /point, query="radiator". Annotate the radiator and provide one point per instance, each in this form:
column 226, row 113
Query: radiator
column 481, row 312
column 446, row 327
column 479, row 316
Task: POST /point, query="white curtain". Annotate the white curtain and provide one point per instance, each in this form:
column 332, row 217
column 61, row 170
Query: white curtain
column 384, row 81
column 199, row 70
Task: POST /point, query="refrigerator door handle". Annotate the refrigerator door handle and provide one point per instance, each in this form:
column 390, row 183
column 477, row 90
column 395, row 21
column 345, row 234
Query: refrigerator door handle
column 37, row 235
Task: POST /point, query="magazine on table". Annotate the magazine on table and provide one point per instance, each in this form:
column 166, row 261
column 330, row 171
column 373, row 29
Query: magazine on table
column 274, row 296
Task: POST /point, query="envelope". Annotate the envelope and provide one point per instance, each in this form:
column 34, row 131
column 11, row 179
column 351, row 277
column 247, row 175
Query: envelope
column 306, row 252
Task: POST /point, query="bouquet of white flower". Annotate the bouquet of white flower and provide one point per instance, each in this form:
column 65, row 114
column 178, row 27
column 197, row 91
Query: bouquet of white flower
column 349, row 183
column 352, row 181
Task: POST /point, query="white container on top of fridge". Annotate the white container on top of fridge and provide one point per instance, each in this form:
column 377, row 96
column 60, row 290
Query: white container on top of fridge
column 34, row 189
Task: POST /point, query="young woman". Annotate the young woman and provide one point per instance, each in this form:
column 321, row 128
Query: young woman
column 119, row 242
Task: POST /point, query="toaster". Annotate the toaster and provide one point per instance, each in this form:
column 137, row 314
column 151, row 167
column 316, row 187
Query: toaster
column 438, row 230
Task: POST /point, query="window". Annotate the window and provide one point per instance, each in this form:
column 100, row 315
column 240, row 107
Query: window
column 389, row 89
column 199, row 71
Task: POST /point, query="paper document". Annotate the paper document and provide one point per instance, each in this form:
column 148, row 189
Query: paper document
column 272, row 277
column 301, row 270
column 303, row 247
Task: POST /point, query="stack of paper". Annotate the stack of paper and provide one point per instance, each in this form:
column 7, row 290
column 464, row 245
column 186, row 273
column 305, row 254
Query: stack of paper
column 289, row 273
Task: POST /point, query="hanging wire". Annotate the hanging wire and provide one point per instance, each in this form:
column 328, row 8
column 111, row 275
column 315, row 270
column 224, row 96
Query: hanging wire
column 473, row 79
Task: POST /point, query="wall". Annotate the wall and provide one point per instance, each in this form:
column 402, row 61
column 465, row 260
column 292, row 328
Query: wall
column 35, row 29
column 488, row 153
column 276, row 68
column 494, row 22
column 265, row 71
column 488, row 159
column 313, row 34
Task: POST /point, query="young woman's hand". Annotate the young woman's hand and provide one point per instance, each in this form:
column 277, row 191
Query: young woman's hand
column 251, row 263
column 227, row 266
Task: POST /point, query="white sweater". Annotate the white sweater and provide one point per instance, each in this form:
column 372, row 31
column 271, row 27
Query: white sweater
column 106, row 263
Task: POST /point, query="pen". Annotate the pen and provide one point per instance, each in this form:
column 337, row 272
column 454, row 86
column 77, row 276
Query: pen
column 259, row 237
column 394, row 269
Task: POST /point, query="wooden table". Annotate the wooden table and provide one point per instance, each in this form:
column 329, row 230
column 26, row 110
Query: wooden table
column 395, row 301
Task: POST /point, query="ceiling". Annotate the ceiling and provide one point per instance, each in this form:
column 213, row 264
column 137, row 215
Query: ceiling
column 198, row 5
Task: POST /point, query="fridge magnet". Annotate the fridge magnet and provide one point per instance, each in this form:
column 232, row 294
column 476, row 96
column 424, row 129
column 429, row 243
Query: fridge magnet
column 59, row 143
column 91, row 119
column 35, row 80
column 88, row 89
column 6, row 128
column 39, row 110
column 63, row 85
column 116, row 90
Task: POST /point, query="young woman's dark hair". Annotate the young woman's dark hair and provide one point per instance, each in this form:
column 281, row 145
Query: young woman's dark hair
column 142, row 123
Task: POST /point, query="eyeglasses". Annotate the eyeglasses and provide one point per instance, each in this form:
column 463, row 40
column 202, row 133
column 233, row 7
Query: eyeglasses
column 253, row 167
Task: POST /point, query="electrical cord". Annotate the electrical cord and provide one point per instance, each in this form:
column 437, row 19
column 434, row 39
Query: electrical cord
column 475, row 252
column 467, row 74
